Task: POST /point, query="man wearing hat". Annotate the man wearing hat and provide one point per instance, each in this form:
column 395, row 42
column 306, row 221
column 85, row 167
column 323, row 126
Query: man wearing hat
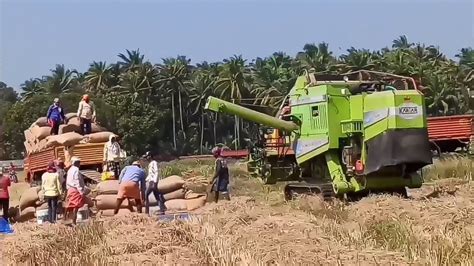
column 132, row 186
column 55, row 116
column 75, row 188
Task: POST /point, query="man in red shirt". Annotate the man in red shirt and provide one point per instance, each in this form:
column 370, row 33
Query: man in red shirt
column 4, row 195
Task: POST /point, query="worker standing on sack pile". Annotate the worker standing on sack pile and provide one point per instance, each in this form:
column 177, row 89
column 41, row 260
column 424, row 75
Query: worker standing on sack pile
column 4, row 194
column 112, row 152
column 87, row 115
column 220, row 180
column 75, row 189
column 152, row 180
column 132, row 187
column 51, row 187
column 55, row 116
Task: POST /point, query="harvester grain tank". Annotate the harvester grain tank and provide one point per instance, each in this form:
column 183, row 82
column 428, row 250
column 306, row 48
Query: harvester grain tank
column 349, row 137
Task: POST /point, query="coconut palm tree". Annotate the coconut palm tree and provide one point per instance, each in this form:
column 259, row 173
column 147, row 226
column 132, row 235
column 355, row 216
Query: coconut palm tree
column 30, row 88
column 200, row 88
column 401, row 43
column 358, row 59
column 98, row 77
column 61, row 80
column 131, row 60
column 174, row 74
column 317, row 57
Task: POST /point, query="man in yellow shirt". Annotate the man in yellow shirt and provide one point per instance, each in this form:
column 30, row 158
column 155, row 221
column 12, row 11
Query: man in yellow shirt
column 52, row 189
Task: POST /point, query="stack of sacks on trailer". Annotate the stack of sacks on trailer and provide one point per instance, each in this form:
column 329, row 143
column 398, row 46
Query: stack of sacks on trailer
column 177, row 197
column 31, row 201
column 37, row 137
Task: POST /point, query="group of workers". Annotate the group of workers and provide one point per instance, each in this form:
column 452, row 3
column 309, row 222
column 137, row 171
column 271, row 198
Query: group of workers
column 134, row 184
column 86, row 113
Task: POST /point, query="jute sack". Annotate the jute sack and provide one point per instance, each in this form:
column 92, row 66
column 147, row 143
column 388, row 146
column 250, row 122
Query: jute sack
column 109, row 213
column 74, row 121
column 176, row 205
column 96, row 128
column 192, row 195
column 108, row 202
column 41, row 122
column 26, row 214
column 40, row 132
column 69, row 116
column 43, row 206
column 109, row 187
column 196, row 203
column 99, row 137
column 68, row 128
column 29, row 197
column 177, row 194
column 170, row 183
column 69, row 139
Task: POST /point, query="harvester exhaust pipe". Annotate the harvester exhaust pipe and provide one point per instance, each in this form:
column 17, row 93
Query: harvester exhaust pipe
column 221, row 106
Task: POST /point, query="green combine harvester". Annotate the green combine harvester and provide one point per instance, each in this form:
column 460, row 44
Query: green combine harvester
column 342, row 135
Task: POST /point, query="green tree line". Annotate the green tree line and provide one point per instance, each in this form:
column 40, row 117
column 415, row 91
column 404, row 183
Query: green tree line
column 158, row 106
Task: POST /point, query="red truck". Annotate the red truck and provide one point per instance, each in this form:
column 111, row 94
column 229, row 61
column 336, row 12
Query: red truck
column 448, row 133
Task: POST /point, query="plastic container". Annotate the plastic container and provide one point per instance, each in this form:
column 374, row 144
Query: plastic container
column 83, row 214
column 5, row 227
column 41, row 216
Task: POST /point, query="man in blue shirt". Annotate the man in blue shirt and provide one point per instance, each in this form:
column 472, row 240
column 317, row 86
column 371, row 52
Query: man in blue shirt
column 55, row 116
column 132, row 186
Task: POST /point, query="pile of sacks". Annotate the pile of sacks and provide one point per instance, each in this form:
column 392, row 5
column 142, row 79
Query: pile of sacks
column 177, row 197
column 31, row 201
column 37, row 137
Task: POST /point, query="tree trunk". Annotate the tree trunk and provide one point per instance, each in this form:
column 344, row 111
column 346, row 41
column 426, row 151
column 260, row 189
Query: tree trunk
column 174, row 121
column 202, row 132
column 215, row 132
column 181, row 114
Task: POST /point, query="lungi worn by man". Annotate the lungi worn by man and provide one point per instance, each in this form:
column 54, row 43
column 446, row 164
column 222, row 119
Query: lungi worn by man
column 132, row 186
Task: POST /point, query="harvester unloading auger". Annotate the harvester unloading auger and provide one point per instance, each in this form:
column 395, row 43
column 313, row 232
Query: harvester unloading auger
column 342, row 135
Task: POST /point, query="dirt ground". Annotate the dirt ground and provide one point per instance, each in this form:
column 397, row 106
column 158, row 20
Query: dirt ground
column 433, row 227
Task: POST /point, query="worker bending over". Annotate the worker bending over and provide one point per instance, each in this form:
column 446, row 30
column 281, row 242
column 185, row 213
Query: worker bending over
column 86, row 113
column 152, row 184
column 55, row 116
column 132, row 187
column 220, row 180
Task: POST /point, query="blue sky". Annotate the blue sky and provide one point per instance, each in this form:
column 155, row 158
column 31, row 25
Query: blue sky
column 36, row 35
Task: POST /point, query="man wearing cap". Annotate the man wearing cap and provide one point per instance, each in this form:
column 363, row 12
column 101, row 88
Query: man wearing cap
column 132, row 186
column 86, row 113
column 55, row 116
column 75, row 188
column 152, row 184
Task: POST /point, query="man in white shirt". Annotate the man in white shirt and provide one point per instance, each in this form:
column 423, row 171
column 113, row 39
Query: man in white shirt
column 112, row 153
column 152, row 184
column 75, row 189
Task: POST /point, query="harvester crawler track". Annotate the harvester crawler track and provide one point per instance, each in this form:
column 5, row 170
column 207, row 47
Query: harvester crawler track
column 323, row 190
